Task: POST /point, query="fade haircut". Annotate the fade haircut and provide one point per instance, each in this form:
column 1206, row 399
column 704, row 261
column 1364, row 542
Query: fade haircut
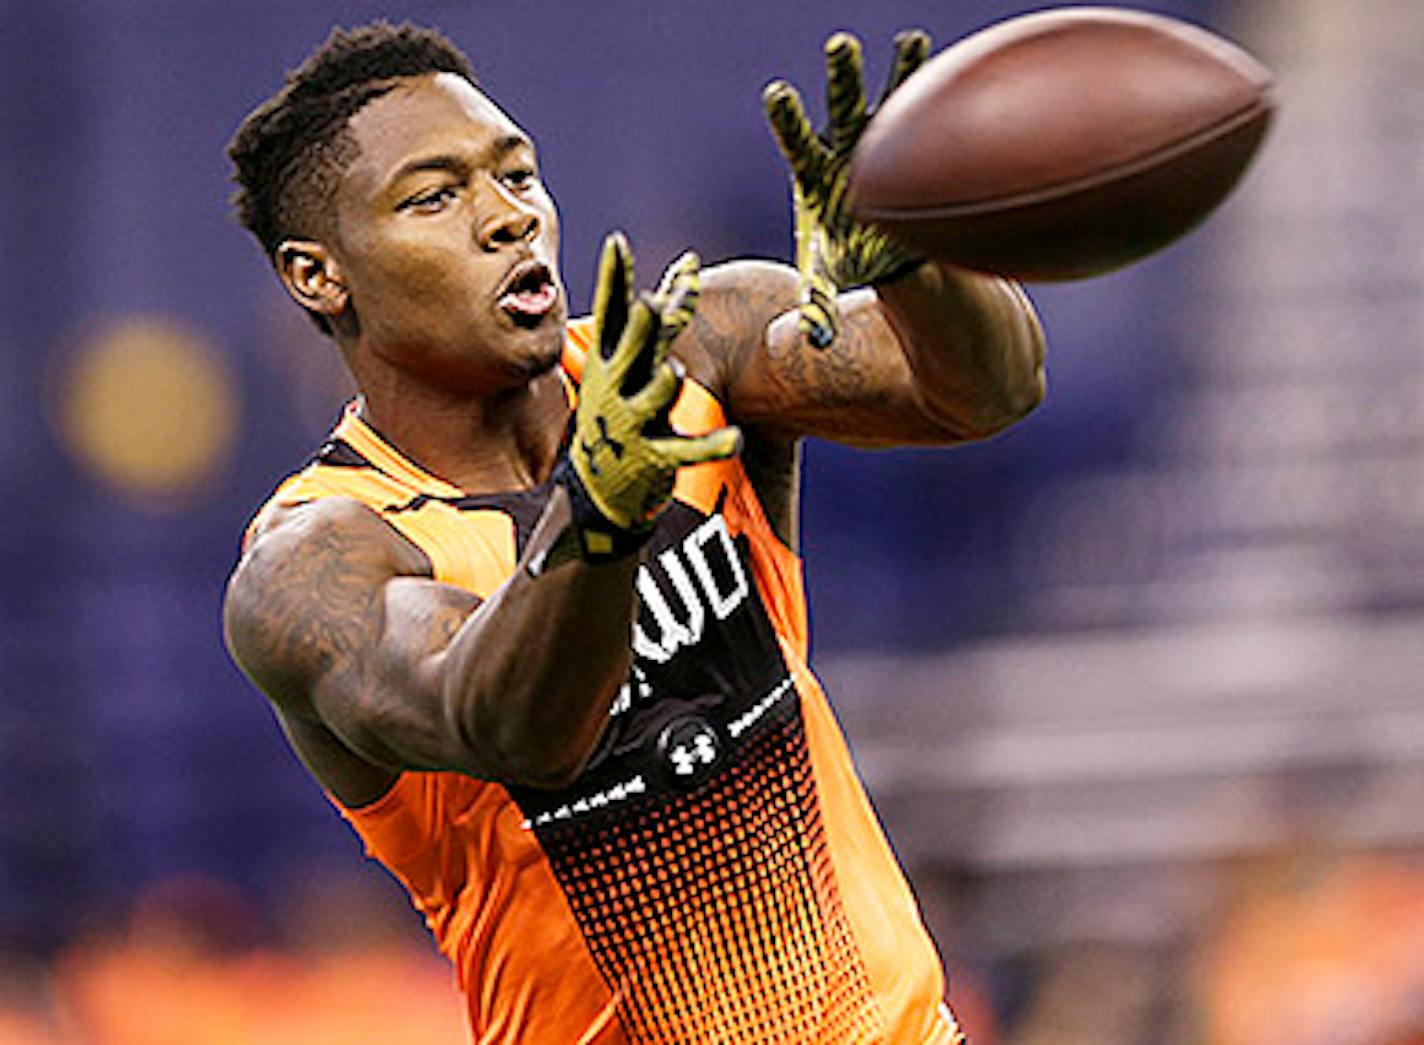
column 290, row 153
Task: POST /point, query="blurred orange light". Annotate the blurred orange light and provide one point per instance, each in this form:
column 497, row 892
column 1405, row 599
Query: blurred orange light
column 147, row 405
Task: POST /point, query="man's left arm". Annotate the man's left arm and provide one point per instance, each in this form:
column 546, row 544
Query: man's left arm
column 937, row 356
column 922, row 353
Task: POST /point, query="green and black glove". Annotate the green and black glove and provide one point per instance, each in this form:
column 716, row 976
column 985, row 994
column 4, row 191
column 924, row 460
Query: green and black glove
column 624, row 455
column 834, row 252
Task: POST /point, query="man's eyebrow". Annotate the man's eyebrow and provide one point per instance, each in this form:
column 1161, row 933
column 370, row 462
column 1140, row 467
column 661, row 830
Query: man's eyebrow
column 510, row 143
column 456, row 164
column 441, row 162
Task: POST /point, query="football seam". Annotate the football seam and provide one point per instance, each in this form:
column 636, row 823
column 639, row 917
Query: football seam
column 1157, row 157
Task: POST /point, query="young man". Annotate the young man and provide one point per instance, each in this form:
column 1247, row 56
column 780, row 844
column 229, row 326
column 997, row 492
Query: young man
column 533, row 616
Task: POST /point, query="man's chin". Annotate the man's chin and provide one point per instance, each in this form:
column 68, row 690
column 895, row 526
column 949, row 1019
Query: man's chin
column 547, row 348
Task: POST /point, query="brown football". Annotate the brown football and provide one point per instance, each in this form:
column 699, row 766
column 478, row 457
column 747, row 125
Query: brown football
column 1062, row 144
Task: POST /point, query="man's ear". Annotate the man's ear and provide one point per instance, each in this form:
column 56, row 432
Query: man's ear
column 312, row 276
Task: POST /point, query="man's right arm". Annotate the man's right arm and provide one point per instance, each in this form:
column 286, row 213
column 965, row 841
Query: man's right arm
column 336, row 617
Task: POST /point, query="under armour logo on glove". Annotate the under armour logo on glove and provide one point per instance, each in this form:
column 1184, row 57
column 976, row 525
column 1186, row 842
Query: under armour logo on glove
column 603, row 442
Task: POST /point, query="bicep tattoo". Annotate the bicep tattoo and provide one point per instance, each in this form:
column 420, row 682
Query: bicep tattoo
column 307, row 606
column 301, row 610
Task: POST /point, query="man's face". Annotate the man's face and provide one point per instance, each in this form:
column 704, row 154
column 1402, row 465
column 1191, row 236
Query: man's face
column 448, row 241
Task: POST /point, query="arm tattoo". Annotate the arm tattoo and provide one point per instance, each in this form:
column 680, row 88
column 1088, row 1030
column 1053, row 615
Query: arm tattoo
column 732, row 331
column 305, row 615
column 442, row 612
column 731, row 325
column 841, row 374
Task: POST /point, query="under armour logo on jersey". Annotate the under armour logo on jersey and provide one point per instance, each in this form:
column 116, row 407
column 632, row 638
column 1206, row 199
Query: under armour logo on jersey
column 691, row 749
column 685, row 760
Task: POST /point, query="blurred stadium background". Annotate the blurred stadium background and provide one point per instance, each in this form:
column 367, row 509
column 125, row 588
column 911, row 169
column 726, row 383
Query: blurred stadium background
column 1136, row 687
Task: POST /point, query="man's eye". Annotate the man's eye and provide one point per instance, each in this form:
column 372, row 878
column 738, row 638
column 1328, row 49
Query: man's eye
column 520, row 177
column 430, row 200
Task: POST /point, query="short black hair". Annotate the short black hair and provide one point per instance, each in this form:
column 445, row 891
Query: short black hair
column 289, row 154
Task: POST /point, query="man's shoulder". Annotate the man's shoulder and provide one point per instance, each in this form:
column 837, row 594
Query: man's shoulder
column 738, row 299
column 762, row 288
column 289, row 525
column 335, row 527
column 301, row 565
column 738, row 302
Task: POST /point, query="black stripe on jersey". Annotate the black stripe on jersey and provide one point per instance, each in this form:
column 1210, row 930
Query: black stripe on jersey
column 338, row 453
column 523, row 506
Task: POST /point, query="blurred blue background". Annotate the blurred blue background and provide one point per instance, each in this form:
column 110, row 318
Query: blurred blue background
column 1151, row 652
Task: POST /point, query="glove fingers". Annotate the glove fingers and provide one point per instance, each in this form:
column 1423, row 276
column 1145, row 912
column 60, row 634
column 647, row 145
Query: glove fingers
column 656, row 397
column 793, row 131
column 639, row 350
column 845, row 92
column 686, row 264
column 612, row 292
column 912, row 47
column 714, row 446
column 819, row 317
column 677, row 294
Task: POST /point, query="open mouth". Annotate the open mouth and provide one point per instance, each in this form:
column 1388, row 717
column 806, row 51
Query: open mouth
column 529, row 293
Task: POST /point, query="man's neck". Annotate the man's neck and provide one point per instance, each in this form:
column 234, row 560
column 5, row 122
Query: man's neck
column 480, row 444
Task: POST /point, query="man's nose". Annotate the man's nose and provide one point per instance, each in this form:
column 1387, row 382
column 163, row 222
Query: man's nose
column 507, row 219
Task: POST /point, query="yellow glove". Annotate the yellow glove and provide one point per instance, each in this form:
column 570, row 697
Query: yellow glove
column 833, row 252
column 624, row 455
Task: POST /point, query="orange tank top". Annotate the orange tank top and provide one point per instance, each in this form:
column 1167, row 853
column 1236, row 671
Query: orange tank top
column 716, row 874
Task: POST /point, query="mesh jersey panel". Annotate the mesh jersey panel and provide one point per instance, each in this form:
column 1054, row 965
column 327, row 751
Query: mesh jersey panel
column 719, row 911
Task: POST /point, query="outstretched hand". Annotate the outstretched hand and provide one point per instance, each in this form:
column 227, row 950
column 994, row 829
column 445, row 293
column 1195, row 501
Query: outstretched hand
column 624, row 456
column 833, row 251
